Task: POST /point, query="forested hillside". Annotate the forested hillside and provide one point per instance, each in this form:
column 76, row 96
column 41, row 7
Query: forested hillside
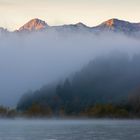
column 106, row 83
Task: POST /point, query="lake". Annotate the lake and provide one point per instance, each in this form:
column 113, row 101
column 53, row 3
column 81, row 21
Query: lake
column 69, row 129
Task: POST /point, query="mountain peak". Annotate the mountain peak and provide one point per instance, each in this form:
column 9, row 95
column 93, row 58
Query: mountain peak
column 110, row 22
column 119, row 26
column 113, row 22
column 34, row 25
column 80, row 24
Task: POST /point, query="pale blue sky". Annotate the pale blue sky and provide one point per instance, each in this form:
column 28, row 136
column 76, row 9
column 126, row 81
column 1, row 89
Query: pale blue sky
column 15, row 13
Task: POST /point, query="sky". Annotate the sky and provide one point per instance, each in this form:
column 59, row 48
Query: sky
column 14, row 13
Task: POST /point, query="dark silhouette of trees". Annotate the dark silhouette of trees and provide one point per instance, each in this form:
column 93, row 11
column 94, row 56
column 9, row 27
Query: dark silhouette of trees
column 100, row 88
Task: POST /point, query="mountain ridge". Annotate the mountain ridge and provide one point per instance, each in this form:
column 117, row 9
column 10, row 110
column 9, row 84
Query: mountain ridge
column 33, row 24
column 113, row 25
column 119, row 25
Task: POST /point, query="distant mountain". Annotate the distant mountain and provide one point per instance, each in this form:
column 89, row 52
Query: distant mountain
column 34, row 25
column 111, row 25
column 119, row 26
column 39, row 25
column 3, row 31
column 72, row 27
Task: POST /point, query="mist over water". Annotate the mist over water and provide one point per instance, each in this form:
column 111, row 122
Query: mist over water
column 69, row 130
column 33, row 60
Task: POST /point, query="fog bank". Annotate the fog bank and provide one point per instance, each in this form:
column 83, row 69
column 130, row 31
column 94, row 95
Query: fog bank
column 33, row 60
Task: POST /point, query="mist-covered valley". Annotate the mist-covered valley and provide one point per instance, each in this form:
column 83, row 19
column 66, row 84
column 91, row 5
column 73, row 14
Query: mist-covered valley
column 29, row 61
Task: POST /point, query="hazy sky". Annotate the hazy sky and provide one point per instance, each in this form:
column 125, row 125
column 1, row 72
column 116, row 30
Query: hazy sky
column 15, row 13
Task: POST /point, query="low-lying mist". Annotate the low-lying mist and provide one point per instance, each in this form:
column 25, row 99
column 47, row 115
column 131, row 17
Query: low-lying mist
column 29, row 61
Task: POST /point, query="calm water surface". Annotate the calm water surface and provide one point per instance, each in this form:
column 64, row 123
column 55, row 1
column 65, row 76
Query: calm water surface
column 69, row 130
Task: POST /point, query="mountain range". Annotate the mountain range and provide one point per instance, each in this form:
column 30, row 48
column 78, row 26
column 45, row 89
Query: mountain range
column 113, row 25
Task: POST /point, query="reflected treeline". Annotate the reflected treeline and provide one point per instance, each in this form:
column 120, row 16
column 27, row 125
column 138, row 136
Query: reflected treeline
column 107, row 87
